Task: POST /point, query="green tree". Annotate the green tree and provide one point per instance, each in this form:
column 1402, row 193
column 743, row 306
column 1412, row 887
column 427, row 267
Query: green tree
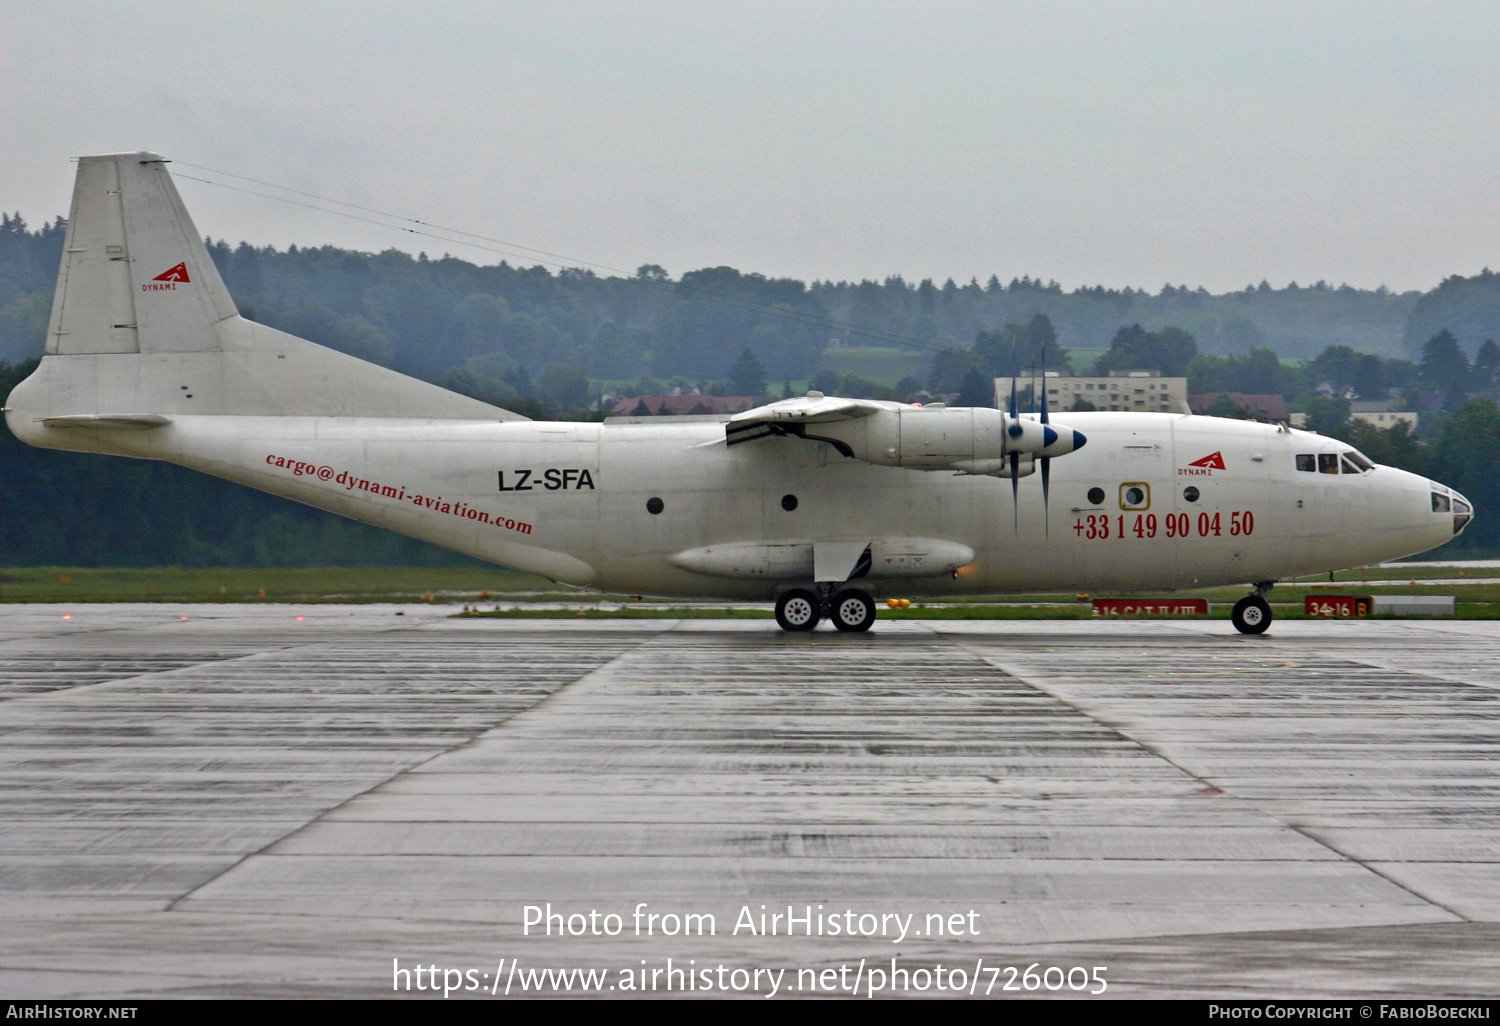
column 1336, row 365
column 1444, row 366
column 747, row 376
column 825, row 381
column 1169, row 351
column 975, row 389
column 1261, row 373
column 1485, row 374
column 1325, row 415
column 1369, row 378
column 566, row 386
column 855, row 387
column 948, row 367
column 1014, row 348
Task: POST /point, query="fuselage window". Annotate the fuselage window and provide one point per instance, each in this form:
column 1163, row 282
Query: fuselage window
column 1307, row 461
column 1135, row 495
column 1328, row 463
column 1440, row 503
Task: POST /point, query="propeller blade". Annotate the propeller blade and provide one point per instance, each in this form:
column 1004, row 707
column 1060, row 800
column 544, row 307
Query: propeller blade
column 1015, row 488
column 1046, row 462
column 1044, row 382
column 1015, row 372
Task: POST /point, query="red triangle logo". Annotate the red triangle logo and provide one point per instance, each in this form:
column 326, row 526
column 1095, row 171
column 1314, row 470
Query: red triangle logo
column 1213, row 462
column 178, row 273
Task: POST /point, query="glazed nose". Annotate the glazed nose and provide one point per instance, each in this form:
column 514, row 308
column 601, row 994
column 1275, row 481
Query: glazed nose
column 1463, row 513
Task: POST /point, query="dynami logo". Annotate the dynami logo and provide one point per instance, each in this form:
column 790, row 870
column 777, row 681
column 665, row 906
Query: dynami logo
column 167, row 280
column 1204, row 467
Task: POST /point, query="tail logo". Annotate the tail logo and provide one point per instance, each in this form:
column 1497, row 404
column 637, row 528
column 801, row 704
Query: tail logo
column 1206, row 466
column 168, row 279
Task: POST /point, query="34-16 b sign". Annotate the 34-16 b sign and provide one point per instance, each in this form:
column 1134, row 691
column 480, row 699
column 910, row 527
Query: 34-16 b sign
column 1337, row 605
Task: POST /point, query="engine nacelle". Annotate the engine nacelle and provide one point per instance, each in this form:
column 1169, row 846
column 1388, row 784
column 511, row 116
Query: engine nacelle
column 970, row 439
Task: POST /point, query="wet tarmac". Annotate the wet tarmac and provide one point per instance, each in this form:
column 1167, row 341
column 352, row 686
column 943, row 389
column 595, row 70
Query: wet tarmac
column 281, row 801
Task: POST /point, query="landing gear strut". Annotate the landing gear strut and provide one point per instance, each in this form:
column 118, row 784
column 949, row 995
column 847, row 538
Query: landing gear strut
column 1252, row 614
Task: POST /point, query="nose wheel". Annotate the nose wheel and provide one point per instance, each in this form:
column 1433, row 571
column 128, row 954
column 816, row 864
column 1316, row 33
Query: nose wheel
column 1251, row 615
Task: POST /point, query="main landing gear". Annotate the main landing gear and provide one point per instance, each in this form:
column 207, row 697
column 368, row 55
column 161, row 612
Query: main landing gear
column 1252, row 614
column 800, row 609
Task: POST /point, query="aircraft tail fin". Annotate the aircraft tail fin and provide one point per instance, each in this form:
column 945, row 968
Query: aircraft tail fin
column 135, row 274
column 142, row 325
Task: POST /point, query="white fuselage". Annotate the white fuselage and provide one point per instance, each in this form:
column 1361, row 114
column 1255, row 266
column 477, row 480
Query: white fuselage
column 569, row 501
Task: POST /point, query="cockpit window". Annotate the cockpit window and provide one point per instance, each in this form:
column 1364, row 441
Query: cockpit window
column 1348, row 465
column 1328, row 463
column 1359, row 459
column 1307, row 461
column 1440, row 503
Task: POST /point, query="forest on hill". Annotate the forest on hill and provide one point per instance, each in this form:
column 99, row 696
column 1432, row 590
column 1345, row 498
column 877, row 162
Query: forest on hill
column 499, row 324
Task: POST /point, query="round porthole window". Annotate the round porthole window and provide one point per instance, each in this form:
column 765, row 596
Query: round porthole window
column 1190, row 493
column 1096, row 496
column 655, row 505
column 788, row 502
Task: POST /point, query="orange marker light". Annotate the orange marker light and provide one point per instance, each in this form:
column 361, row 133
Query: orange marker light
column 67, row 616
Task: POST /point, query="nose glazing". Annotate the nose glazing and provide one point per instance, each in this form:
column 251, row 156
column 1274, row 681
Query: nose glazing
column 1463, row 512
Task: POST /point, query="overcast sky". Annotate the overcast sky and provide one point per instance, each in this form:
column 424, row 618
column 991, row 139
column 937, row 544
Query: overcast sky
column 1095, row 143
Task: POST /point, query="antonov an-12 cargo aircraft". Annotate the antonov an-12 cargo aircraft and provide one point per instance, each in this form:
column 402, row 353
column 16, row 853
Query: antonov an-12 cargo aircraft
column 819, row 504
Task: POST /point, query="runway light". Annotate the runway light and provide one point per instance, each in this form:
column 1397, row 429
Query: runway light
column 301, row 618
column 67, row 616
column 184, row 618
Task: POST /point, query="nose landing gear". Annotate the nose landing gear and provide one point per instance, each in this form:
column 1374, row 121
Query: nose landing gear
column 1252, row 614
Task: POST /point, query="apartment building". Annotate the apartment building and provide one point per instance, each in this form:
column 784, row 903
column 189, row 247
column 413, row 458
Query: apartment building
column 1141, row 391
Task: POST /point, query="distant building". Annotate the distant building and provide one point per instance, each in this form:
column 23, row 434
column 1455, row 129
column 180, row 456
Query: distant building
column 682, row 405
column 1382, row 416
column 1377, row 414
column 1139, row 391
column 1271, row 408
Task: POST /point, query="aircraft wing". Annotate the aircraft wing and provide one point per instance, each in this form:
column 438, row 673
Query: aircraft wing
column 782, row 417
